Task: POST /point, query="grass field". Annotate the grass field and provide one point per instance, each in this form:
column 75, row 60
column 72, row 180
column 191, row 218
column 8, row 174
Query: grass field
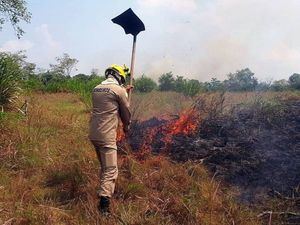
column 49, row 171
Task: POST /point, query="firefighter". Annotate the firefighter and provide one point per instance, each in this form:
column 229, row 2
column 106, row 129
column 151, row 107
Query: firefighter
column 110, row 102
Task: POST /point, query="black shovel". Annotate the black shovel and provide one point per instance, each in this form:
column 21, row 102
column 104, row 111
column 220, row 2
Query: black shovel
column 131, row 25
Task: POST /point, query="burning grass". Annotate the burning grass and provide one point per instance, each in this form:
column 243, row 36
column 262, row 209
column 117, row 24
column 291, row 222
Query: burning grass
column 239, row 143
column 252, row 145
column 49, row 175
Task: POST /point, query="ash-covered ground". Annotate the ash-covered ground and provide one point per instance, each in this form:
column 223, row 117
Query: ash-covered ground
column 255, row 147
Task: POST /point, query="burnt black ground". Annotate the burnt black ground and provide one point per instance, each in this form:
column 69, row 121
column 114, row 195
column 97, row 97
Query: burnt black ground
column 254, row 147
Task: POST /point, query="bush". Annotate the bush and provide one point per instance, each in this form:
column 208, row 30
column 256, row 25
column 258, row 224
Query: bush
column 82, row 77
column 294, row 81
column 214, row 85
column 10, row 79
column 280, row 85
column 192, row 88
column 144, row 84
column 83, row 88
column 166, row 82
column 242, row 80
column 188, row 87
column 33, row 83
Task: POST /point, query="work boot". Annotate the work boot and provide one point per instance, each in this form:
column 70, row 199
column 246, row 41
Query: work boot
column 103, row 205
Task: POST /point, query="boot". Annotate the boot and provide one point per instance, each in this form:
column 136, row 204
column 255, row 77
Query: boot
column 103, row 205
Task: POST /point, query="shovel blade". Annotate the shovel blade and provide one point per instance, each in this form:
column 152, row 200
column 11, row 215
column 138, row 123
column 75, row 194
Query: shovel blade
column 130, row 22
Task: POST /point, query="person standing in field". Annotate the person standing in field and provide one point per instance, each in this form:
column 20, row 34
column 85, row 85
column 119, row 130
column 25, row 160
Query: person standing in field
column 110, row 102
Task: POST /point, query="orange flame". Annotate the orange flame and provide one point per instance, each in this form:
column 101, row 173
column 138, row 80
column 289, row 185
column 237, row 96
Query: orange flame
column 186, row 124
column 120, row 134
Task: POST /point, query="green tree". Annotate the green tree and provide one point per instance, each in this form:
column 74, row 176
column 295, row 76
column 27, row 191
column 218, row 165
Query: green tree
column 64, row 65
column 50, row 77
column 82, row 77
column 192, row 87
column 30, row 80
column 215, row 85
column 144, row 84
column 179, row 84
column 166, row 82
column 280, row 85
column 242, row 80
column 27, row 67
column 10, row 79
column 294, row 81
column 14, row 11
column 46, row 77
column 263, row 86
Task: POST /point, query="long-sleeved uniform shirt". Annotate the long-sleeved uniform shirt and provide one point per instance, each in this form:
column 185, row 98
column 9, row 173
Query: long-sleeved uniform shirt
column 110, row 102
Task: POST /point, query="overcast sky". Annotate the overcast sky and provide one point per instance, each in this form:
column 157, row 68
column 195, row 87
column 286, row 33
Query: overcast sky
column 195, row 38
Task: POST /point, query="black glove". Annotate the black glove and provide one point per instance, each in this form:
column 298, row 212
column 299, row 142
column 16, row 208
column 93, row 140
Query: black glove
column 126, row 127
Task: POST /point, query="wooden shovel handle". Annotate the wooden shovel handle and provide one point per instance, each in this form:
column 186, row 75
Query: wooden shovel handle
column 132, row 67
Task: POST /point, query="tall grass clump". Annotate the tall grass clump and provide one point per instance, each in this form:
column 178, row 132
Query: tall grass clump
column 271, row 110
column 10, row 79
column 84, row 88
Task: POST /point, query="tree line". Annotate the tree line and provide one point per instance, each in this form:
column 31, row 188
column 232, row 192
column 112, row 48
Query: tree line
column 16, row 73
column 239, row 81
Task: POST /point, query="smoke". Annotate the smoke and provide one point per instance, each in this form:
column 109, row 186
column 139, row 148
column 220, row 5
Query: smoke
column 211, row 39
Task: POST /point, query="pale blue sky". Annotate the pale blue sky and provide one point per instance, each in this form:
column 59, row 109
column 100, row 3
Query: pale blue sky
column 194, row 38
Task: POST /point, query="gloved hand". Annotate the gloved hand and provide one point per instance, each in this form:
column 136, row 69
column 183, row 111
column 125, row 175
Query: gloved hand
column 126, row 129
column 128, row 88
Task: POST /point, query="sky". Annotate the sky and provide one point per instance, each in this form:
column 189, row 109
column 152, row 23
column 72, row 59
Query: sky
column 197, row 39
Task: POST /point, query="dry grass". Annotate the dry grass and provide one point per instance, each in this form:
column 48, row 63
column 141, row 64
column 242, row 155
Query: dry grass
column 166, row 104
column 49, row 175
column 159, row 104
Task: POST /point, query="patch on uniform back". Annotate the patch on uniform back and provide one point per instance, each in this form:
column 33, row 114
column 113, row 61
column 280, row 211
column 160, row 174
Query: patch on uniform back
column 101, row 90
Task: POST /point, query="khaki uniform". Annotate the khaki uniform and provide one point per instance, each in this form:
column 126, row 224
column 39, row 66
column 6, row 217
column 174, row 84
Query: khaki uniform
column 109, row 103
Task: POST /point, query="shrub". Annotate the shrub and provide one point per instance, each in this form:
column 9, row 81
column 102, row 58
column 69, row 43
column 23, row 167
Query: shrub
column 82, row 77
column 191, row 88
column 280, row 85
column 83, row 88
column 188, row 87
column 242, row 80
column 214, row 85
column 144, row 84
column 33, row 83
column 10, row 79
column 294, row 81
column 166, row 82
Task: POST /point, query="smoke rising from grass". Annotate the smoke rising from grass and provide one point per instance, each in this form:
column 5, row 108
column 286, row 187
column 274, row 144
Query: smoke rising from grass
column 218, row 37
